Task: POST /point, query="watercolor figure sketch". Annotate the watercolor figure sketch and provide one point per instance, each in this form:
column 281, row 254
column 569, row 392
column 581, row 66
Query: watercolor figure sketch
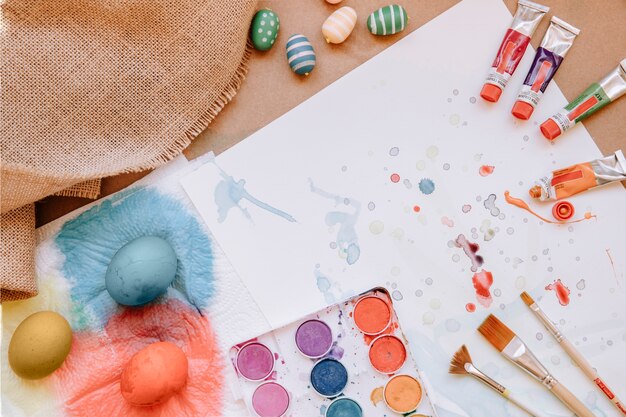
column 395, row 175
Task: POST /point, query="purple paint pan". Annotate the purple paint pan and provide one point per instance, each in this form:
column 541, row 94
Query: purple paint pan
column 314, row 338
column 254, row 361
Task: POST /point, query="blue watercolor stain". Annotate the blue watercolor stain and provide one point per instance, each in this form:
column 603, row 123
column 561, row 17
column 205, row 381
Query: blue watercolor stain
column 229, row 193
column 427, row 186
column 90, row 241
column 347, row 239
column 325, row 287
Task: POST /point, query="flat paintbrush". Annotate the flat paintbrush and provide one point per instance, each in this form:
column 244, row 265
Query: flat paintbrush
column 572, row 351
column 461, row 364
column 515, row 350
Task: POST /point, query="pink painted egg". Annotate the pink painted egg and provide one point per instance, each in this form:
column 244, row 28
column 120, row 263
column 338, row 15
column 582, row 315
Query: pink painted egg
column 154, row 374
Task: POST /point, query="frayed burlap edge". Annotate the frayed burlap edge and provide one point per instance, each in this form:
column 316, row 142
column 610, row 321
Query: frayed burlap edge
column 86, row 189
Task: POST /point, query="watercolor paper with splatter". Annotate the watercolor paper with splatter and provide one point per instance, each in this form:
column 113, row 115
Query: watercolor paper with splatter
column 407, row 136
column 202, row 311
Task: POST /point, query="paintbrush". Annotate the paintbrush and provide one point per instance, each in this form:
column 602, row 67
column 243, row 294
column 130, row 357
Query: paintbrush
column 461, row 364
column 514, row 349
column 572, row 351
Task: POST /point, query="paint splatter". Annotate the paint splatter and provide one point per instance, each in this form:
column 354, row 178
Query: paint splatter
column 428, row 318
column 470, row 249
column 394, row 151
column 482, row 282
column 466, row 208
column 608, row 253
column 229, row 194
column 432, row 152
column 407, row 183
column 561, row 291
column 447, row 221
column 452, row 325
column 486, row 170
column 420, row 165
column 580, row 284
column 371, row 206
column 377, row 227
column 470, row 307
column 446, row 166
column 376, row 396
column 347, row 239
column 520, row 282
column 454, row 119
column 427, row 186
column 397, row 295
column 490, row 204
column 416, row 209
column 394, row 178
column 524, row 206
column 472, row 100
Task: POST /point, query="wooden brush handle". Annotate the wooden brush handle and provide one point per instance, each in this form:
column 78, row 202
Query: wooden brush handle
column 571, row 401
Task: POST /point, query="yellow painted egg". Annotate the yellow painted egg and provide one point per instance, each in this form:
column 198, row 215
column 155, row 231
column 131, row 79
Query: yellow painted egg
column 339, row 25
column 154, row 374
column 39, row 345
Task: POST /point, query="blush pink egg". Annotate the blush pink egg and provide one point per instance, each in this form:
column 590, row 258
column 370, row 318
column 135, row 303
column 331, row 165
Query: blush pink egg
column 154, row 374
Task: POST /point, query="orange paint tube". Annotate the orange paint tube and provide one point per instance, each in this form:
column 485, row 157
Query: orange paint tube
column 572, row 180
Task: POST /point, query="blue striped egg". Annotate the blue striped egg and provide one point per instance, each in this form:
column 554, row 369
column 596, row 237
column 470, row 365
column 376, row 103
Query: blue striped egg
column 300, row 54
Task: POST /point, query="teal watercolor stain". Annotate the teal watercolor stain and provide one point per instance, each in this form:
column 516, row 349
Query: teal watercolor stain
column 347, row 239
column 229, row 193
column 426, row 186
column 89, row 242
column 325, row 287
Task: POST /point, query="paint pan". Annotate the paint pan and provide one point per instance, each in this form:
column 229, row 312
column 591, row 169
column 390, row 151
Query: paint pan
column 344, row 407
column 372, row 315
column 387, row 354
column 314, row 338
column 329, row 377
column 254, row 361
column 402, row 394
column 270, row 399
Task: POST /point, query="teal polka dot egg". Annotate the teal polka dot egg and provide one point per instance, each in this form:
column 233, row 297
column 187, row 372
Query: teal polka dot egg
column 300, row 54
column 264, row 29
column 141, row 271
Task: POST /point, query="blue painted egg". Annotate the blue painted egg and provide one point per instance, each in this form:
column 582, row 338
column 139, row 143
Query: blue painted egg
column 141, row 271
column 300, row 54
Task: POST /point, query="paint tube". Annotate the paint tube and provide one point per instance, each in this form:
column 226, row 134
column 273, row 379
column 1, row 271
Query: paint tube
column 580, row 177
column 558, row 39
column 512, row 48
column 596, row 96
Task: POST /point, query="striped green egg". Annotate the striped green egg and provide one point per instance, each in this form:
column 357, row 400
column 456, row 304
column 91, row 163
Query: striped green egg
column 387, row 20
column 300, row 54
column 264, row 29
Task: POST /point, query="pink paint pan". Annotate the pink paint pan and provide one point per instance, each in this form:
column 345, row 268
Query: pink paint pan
column 254, row 361
column 270, row 399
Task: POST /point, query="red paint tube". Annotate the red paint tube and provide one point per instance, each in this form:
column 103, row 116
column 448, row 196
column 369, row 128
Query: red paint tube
column 514, row 44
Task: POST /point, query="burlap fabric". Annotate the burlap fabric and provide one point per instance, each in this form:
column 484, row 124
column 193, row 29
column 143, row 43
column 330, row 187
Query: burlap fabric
column 93, row 88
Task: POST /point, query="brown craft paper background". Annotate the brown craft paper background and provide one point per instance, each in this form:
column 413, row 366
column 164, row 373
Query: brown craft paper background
column 271, row 89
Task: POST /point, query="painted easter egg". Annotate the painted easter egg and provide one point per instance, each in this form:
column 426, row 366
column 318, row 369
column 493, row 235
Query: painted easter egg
column 333, row 1
column 387, row 20
column 141, row 271
column 39, row 345
column 300, row 54
column 339, row 25
column 154, row 374
column 264, row 29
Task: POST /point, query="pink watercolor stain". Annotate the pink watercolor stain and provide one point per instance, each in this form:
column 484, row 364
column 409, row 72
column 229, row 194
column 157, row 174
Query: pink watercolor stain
column 482, row 282
column 395, row 178
column 486, row 170
column 561, row 291
column 470, row 249
column 470, row 307
column 447, row 221
column 88, row 383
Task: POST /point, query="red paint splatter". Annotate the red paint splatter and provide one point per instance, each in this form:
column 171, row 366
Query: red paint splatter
column 88, row 383
column 486, row 170
column 470, row 249
column 561, row 291
column 395, row 178
column 445, row 220
column 416, row 209
column 482, row 282
column 470, row 307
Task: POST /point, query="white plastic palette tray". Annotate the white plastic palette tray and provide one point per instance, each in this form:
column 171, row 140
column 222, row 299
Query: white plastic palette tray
column 292, row 369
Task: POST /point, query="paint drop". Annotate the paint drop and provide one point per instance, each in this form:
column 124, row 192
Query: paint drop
column 490, row 204
column 447, row 221
column 453, row 325
column 510, row 230
column 427, row 186
column 420, row 165
column 376, row 396
column 482, row 282
column 397, row 295
column 429, row 281
column 456, row 258
column 472, row 100
column 394, row 151
column 428, row 318
column 435, row 304
column 395, row 178
column 371, row 206
column 432, row 152
column 419, row 293
column 580, row 284
column 470, row 249
column 561, row 291
column 416, row 209
column 407, row 183
column 470, row 307
column 466, row 208
column 446, row 166
column 455, row 92
column 539, row 336
column 520, row 282
column 497, row 292
column 377, row 227
column 454, row 119
column 486, row 170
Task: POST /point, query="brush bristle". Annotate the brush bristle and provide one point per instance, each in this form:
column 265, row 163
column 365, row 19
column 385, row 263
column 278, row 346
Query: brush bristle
column 527, row 298
column 496, row 332
column 460, row 358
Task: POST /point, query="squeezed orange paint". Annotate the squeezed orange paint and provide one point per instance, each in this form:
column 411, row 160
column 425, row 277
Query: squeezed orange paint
column 524, row 206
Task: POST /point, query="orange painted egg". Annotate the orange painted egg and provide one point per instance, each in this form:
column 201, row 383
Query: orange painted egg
column 339, row 25
column 154, row 374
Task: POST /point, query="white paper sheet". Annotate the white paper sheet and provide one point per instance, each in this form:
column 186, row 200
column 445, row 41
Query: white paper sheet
column 307, row 212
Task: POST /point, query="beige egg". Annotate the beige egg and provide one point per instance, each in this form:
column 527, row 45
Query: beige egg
column 339, row 25
column 39, row 345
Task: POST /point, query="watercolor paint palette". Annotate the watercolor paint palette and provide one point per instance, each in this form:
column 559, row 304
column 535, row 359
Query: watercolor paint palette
column 348, row 360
